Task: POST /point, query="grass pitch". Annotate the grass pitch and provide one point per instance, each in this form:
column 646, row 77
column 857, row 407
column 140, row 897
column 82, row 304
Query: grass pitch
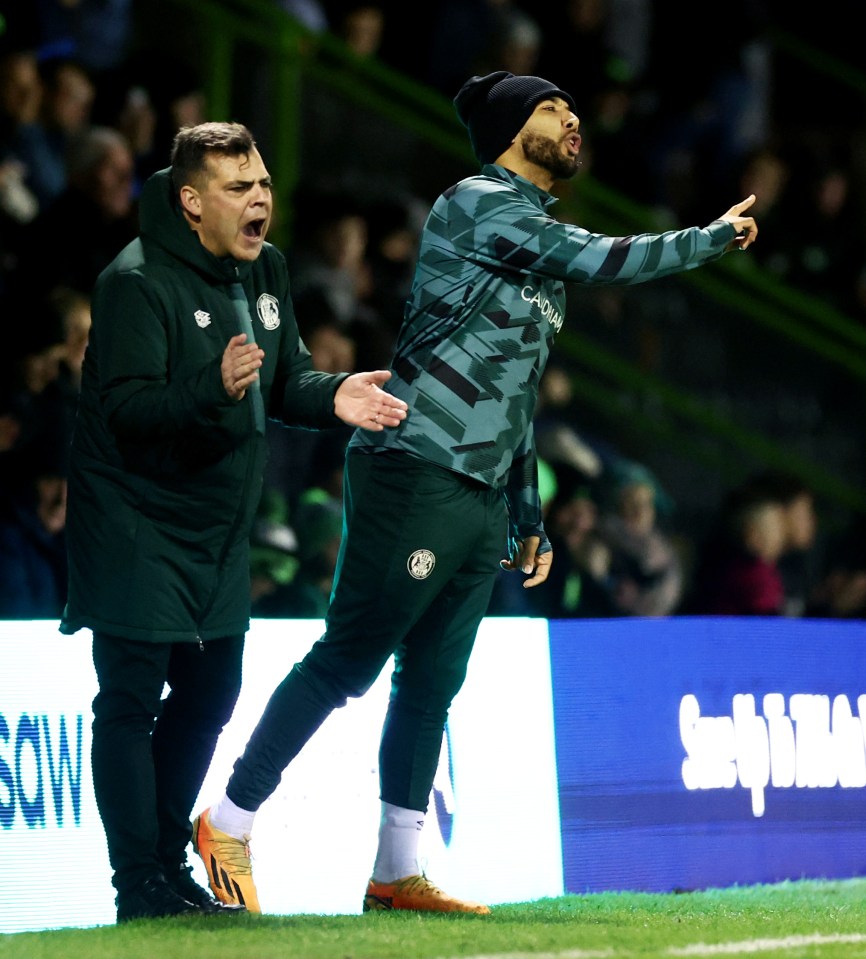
column 791, row 920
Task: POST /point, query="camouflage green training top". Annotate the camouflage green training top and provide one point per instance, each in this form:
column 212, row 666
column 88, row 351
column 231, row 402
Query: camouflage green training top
column 487, row 300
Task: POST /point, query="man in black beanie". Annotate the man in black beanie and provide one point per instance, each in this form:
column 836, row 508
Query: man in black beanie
column 431, row 506
column 495, row 108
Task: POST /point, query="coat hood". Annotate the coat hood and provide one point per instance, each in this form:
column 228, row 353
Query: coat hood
column 163, row 223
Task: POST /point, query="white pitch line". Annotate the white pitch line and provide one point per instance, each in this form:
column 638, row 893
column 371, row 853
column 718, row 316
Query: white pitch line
column 568, row 954
column 697, row 949
column 762, row 945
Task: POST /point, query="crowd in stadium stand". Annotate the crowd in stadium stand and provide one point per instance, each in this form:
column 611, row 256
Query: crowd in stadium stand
column 86, row 115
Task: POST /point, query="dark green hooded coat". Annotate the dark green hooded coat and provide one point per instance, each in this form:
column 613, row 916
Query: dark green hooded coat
column 166, row 469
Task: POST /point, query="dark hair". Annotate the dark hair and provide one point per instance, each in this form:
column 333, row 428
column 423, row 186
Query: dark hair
column 193, row 145
column 780, row 485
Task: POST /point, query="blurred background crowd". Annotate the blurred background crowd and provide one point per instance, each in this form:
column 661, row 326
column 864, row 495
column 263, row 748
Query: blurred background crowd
column 685, row 109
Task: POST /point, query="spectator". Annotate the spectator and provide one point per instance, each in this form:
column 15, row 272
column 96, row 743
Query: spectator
column 32, row 535
column 828, row 258
column 514, row 44
column 329, row 261
column 67, row 102
column 71, row 242
column 23, row 137
column 73, row 309
column 332, row 349
column 578, row 584
column 799, row 558
column 35, row 351
column 153, row 97
column 738, row 572
column 645, row 575
column 18, row 206
column 97, row 33
column 318, row 525
column 360, row 24
column 329, row 250
column 556, row 438
column 69, row 313
column 393, row 232
column 841, row 592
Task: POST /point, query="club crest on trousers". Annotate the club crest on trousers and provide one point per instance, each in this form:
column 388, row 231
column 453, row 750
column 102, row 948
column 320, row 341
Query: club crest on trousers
column 420, row 564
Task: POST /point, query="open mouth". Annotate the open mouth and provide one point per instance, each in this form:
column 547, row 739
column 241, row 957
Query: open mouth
column 574, row 143
column 254, row 230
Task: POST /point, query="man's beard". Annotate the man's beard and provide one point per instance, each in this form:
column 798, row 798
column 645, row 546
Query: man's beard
column 546, row 153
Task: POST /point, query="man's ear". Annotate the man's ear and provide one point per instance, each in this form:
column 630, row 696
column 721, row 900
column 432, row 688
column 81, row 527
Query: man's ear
column 190, row 202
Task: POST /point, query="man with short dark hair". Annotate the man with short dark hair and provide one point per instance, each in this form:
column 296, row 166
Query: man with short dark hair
column 193, row 347
column 437, row 499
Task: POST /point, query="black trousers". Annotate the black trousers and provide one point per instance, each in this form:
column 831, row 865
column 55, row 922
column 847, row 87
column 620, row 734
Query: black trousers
column 150, row 755
column 418, row 560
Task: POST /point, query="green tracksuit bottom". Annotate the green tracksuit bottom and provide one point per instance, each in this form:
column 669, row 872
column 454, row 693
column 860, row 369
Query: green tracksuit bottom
column 418, row 560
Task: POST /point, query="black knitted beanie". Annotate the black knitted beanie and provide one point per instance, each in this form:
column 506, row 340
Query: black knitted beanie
column 495, row 107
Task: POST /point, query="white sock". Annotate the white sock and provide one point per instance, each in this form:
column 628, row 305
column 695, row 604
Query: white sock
column 399, row 833
column 229, row 818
